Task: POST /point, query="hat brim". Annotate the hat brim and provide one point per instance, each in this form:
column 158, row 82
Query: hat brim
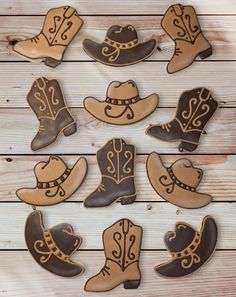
column 126, row 57
column 34, row 232
column 37, row 197
column 180, row 197
column 119, row 114
column 205, row 250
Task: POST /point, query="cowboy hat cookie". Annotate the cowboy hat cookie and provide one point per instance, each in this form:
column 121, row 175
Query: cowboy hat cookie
column 52, row 248
column 121, row 47
column 195, row 109
column 55, row 182
column 47, row 102
column 178, row 183
column 116, row 160
column 123, row 105
column 181, row 24
column 189, row 249
column 122, row 245
column 59, row 29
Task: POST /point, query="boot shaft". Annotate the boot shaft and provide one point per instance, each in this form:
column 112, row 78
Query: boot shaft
column 122, row 243
column 116, row 160
column 46, row 98
column 195, row 108
column 181, row 23
column 61, row 25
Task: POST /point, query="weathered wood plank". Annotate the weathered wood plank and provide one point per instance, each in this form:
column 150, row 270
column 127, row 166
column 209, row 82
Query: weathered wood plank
column 218, row 180
column 155, row 218
column 27, row 278
column 79, row 80
column 16, row 137
column 115, row 7
column 220, row 30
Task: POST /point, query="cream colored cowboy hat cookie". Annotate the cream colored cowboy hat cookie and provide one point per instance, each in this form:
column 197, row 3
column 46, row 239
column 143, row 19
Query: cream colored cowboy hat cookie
column 55, row 182
column 178, row 183
column 123, row 105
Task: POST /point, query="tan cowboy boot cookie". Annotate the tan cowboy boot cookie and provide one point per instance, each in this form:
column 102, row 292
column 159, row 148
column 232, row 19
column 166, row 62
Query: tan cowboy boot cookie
column 60, row 27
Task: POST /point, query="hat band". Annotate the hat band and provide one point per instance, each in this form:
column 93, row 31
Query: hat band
column 56, row 182
column 175, row 181
column 189, row 252
column 120, row 45
column 53, row 249
column 121, row 101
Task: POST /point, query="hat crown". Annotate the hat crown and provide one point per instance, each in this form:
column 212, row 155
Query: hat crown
column 51, row 170
column 180, row 238
column 186, row 173
column 122, row 34
column 122, row 91
column 64, row 238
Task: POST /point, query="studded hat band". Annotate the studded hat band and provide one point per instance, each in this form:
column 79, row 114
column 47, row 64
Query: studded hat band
column 121, row 101
column 120, row 45
column 177, row 182
column 56, row 182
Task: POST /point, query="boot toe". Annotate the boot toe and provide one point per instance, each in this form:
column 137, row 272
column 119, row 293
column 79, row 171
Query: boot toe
column 93, row 285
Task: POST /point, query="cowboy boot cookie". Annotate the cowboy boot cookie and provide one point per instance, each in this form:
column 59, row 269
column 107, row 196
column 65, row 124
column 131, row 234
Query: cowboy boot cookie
column 47, row 101
column 116, row 163
column 194, row 110
column 181, row 24
column 59, row 28
column 122, row 244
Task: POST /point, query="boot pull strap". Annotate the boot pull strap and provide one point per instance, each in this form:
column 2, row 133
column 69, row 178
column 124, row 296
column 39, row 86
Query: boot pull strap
column 178, row 9
column 204, row 94
column 69, row 11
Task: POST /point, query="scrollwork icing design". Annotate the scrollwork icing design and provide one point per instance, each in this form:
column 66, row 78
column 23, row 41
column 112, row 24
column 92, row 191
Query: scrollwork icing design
column 193, row 29
column 113, row 56
column 169, row 186
column 55, row 20
column 117, row 253
column 186, row 114
column 63, row 34
column 128, row 155
column 45, row 256
column 177, row 24
column 129, row 116
column 110, row 169
column 42, row 106
column 59, row 189
column 196, row 121
column 194, row 259
column 54, row 100
column 130, row 254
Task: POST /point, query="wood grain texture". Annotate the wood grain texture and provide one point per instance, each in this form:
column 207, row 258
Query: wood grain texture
column 218, row 179
column 116, row 7
column 155, row 218
column 92, row 134
column 219, row 30
column 79, row 80
column 27, row 278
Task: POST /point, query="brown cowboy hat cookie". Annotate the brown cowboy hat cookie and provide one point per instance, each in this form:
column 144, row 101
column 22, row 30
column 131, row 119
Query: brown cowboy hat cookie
column 122, row 245
column 55, row 182
column 178, row 183
column 52, row 248
column 195, row 109
column 60, row 27
column 116, row 160
column 47, row 102
column 189, row 249
column 121, row 47
column 123, row 105
column 181, row 24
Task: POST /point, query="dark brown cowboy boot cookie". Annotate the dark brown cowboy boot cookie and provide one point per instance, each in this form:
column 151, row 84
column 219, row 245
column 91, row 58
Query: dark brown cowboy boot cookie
column 194, row 110
column 189, row 249
column 181, row 24
column 116, row 162
column 52, row 248
column 121, row 47
column 122, row 106
column 177, row 183
column 122, row 244
column 60, row 27
column 55, row 182
column 47, row 101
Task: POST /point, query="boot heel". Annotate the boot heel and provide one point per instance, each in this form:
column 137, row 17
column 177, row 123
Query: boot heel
column 133, row 284
column 128, row 200
column 205, row 54
column 70, row 130
column 187, row 146
column 53, row 63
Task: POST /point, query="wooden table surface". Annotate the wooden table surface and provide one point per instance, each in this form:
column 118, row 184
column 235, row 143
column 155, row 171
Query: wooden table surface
column 80, row 76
